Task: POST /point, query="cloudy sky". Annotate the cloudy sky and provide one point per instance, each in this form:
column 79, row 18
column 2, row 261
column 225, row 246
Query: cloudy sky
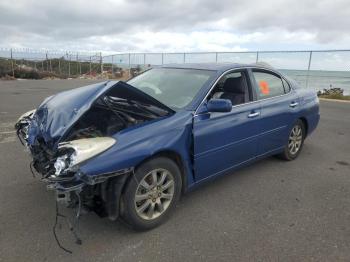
column 175, row 25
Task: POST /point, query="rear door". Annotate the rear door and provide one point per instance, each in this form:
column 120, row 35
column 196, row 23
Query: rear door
column 278, row 109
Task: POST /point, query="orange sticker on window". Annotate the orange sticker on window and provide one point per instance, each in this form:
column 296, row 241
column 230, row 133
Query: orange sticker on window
column 264, row 87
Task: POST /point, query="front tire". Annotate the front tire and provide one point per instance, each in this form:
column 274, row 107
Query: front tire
column 295, row 141
column 151, row 194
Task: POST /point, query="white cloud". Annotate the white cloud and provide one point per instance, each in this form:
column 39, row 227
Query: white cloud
column 175, row 26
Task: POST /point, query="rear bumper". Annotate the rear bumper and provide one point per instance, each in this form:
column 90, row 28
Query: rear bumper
column 313, row 121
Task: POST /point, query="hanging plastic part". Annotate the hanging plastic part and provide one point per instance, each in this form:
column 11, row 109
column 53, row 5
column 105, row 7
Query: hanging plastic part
column 19, row 137
column 31, row 168
column 75, row 225
column 72, row 226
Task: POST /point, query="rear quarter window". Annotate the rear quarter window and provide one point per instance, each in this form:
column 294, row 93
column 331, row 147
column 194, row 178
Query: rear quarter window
column 268, row 85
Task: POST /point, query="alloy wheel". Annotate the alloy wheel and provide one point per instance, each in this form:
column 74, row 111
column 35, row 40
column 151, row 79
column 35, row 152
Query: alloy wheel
column 154, row 194
column 295, row 140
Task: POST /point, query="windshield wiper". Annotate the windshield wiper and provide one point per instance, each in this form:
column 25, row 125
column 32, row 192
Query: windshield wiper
column 116, row 112
column 147, row 108
column 143, row 107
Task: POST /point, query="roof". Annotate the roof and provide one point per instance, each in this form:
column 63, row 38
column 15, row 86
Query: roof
column 214, row 66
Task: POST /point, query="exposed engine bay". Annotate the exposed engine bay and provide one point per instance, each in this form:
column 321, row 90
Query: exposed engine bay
column 113, row 115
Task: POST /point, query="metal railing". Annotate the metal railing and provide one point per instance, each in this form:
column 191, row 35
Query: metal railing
column 317, row 69
column 53, row 63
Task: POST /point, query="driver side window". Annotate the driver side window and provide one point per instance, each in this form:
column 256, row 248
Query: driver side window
column 234, row 87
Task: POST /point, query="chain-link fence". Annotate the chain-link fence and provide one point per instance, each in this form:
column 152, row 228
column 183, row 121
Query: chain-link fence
column 313, row 69
column 26, row 63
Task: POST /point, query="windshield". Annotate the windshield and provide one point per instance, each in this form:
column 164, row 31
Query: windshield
column 175, row 88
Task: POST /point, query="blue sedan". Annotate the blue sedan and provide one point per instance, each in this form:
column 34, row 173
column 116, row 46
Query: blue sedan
column 130, row 149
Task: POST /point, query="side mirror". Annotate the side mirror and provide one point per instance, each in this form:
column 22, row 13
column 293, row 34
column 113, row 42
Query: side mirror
column 219, row 105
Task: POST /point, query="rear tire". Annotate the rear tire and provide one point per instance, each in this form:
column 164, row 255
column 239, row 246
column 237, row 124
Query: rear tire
column 295, row 141
column 151, row 194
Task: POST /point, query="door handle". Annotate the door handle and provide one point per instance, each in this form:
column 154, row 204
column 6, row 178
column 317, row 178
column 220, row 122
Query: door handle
column 254, row 114
column 293, row 104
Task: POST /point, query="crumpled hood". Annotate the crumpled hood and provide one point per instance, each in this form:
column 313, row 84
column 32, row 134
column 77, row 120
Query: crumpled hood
column 58, row 113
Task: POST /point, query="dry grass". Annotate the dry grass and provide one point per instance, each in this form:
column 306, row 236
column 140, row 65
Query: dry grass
column 335, row 96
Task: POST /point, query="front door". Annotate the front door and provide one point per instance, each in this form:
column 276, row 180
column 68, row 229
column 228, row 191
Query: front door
column 223, row 141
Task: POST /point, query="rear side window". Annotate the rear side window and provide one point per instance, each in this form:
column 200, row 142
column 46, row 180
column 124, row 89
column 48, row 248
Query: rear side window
column 268, row 85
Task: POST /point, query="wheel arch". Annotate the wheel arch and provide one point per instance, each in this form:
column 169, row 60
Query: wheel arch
column 174, row 156
column 306, row 125
column 170, row 154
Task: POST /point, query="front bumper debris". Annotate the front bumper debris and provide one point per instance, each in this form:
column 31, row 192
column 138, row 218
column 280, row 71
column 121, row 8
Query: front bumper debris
column 66, row 185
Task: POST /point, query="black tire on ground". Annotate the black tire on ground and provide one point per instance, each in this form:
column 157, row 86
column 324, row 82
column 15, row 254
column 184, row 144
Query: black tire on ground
column 129, row 212
column 288, row 154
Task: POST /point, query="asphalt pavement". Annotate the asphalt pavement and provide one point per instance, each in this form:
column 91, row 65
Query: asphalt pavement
column 270, row 211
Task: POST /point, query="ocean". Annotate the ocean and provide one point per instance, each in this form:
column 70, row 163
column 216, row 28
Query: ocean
column 320, row 80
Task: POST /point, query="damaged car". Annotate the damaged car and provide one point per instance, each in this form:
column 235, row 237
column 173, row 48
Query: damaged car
column 129, row 149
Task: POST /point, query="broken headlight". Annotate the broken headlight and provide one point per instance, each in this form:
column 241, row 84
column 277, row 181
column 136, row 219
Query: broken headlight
column 26, row 115
column 75, row 152
column 22, row 125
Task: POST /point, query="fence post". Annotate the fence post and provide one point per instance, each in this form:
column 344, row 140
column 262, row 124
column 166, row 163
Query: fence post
column 309, row 65
column 162, row 58
column 308, row 70
column 129, row 66
column 59, row 66
column 216, row 57
column 47, row 63
column 257, row 57
column 69, row 65
column 12, row 68
column 112, row 66
column 76, row 61
column 90, row 67
column 184, row 58
column 144, row 59
column 101, row 63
